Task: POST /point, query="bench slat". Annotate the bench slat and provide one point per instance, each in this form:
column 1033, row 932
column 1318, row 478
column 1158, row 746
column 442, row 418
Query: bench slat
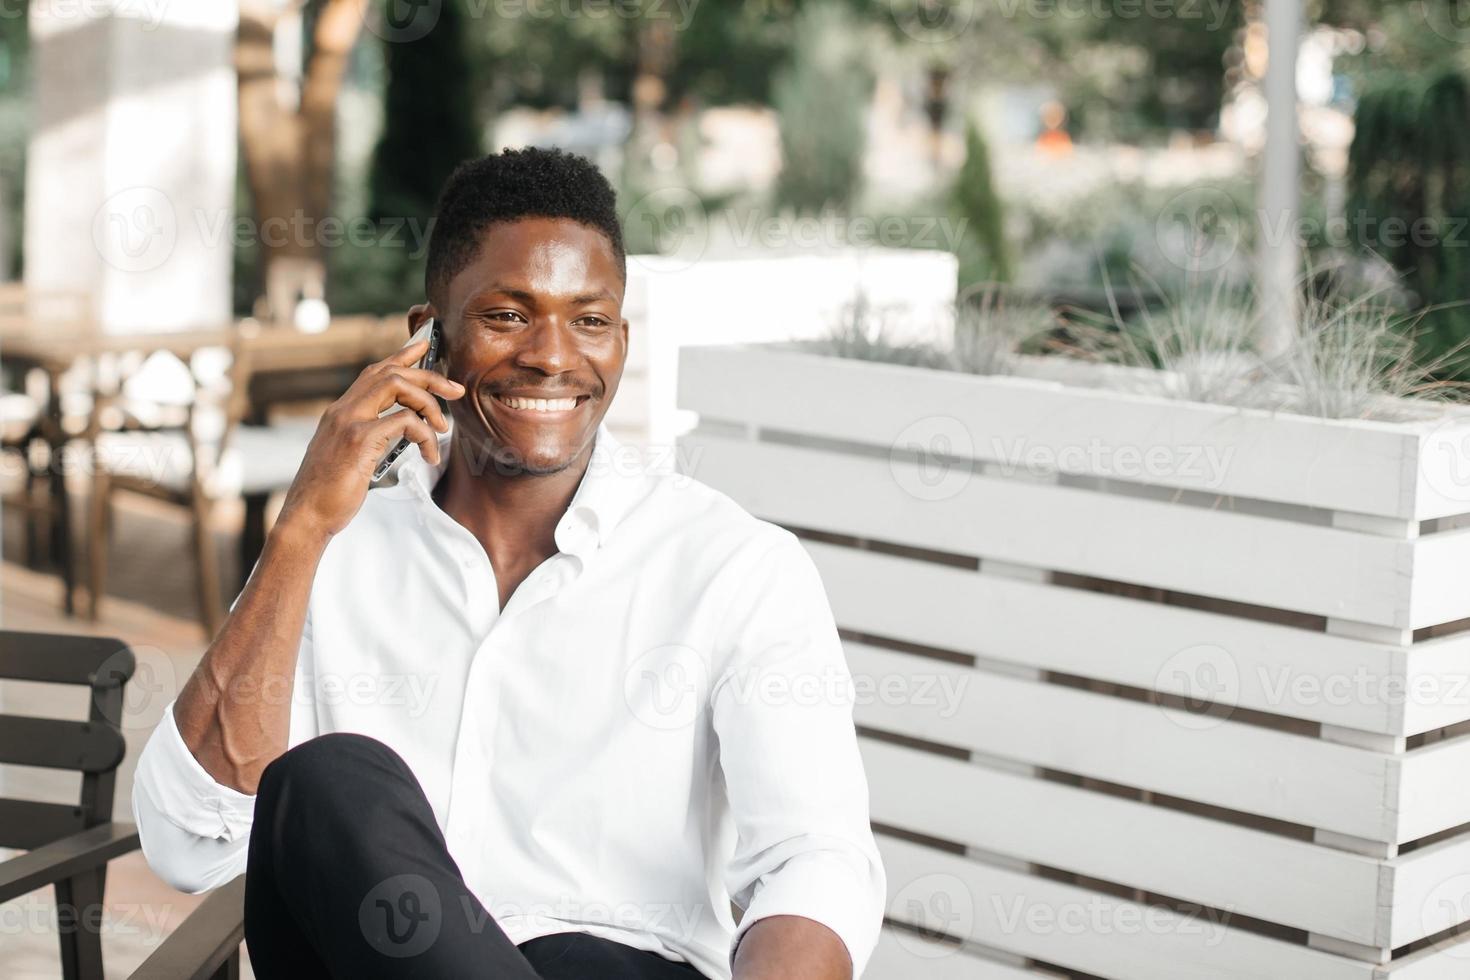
column 54, row 744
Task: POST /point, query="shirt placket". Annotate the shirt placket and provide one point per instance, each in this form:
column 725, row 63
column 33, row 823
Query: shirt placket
column 474, row 751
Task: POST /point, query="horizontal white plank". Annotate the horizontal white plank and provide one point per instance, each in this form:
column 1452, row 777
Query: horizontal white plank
column 1193, row 858
column 907, row 956
column 1431, row 890
column 1243, row 767
column 1241, row 557
column 1446, row 960
column 1085, row 930
column 1387, row 469
column 1436, row 689
column 1438, row 590
column 1277, row 669
column 1433, row 788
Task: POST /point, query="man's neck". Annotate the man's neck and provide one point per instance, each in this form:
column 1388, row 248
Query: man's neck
column 513, row 516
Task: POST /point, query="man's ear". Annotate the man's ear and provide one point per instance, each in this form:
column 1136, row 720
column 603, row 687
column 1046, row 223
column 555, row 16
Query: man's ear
column 417, row 314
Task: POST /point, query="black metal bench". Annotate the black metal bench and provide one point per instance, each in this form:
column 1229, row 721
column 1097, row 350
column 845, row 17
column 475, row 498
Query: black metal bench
column 67, row 846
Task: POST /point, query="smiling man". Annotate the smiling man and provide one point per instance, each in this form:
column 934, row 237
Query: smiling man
column 635, row 711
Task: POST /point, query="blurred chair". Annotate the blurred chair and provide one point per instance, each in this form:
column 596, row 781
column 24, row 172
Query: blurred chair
column 183, row 440
column 67, row 846
column 26, row 396
column 20, row 431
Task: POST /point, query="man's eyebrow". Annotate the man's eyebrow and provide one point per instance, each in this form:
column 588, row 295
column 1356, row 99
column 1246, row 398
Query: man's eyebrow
column 530, row 299
column 519, row 295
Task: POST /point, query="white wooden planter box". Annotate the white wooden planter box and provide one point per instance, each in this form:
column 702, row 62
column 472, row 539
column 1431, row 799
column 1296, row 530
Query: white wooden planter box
column 1148, row 688
column 674, row 302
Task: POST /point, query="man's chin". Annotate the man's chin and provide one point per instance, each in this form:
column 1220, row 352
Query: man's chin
column 545, row 464
column 510, row 459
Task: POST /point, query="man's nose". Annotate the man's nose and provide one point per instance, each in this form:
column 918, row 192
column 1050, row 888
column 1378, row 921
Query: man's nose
column 548, row 347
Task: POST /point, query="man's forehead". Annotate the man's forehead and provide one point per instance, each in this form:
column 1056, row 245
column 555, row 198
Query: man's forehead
column 552, row 257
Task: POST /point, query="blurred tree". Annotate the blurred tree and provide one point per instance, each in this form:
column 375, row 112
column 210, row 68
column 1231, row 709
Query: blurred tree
column 1409, row 36
column 760, row 30
column 543, row 61
column 821, row 98
column 428, row 119
column 983, row 252
column 15, row 112
column 654, row 52
column 1127, row 73
column 288, row 147
column 1409, row 195
column 1126, row 76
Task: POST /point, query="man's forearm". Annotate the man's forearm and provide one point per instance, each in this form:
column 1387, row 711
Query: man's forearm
column 790, row 947
column 234, row 712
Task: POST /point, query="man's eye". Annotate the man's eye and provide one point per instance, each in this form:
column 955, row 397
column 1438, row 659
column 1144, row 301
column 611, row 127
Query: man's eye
column 593, row 321
column 504, row 316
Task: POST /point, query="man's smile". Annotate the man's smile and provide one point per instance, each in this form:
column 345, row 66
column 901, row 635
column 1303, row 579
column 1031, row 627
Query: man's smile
column 541, row 407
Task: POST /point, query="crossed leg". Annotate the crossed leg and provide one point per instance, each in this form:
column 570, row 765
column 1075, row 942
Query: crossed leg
column 349, row 877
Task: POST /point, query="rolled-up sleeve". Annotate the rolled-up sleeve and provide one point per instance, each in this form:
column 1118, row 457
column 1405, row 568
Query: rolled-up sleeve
column 194, row 830
column 782, row 709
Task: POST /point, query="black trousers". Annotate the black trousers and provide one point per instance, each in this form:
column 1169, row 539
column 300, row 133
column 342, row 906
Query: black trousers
column 349, row 877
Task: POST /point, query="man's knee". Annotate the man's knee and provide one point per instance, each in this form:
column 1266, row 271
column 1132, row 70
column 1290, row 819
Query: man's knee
column 332, row 772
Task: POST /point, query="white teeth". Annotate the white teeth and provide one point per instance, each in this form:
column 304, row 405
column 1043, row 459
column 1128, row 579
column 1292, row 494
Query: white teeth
column 540, row 404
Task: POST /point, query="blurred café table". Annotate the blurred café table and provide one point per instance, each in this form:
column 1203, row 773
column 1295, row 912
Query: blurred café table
column 286, row 365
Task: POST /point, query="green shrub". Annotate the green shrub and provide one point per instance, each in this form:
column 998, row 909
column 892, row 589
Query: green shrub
column 821, row 99
column 984, row 254
column 428, row 119
column 1409, row 197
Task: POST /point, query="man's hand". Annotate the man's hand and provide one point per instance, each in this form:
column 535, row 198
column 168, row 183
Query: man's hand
column 354, row 435
column 790, row 947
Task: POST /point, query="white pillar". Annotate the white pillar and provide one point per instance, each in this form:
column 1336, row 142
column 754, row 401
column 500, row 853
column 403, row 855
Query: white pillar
column 130, row 176
column 1279, row 257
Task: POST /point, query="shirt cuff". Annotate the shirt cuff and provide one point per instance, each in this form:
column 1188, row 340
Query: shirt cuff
column 181, row 789
column 825, row 887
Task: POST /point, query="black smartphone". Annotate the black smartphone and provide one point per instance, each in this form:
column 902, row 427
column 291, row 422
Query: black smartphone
column 429, row 362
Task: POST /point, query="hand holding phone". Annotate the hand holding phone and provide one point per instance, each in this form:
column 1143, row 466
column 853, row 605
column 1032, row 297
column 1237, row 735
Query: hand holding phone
column 364, row 428
column 429, row 362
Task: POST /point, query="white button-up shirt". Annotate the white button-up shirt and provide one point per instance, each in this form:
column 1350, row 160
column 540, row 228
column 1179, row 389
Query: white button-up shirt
column 658, row 722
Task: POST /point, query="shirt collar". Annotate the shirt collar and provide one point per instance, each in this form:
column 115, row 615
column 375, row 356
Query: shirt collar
column 607, row 491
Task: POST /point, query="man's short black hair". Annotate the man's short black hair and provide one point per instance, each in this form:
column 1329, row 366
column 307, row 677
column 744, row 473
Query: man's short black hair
column 535, row 182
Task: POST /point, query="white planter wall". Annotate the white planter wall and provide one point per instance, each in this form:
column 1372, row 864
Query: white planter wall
column 1116, row 653
column 673, row 303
